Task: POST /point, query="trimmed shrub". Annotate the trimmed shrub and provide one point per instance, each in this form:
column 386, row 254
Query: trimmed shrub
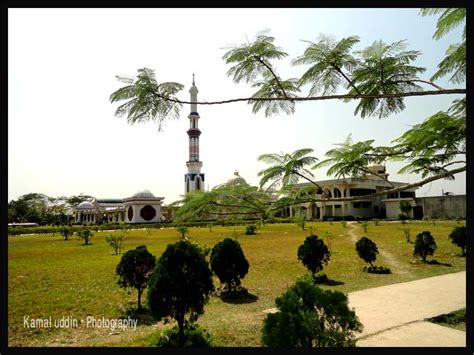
column 313, row 253
column 458, row 237
column 134, row 270
column 250, row 229
column 228, row 262
column 180, row 285
column 367, row 250
column 311, row 317
column 195, row 337
column 424, row 245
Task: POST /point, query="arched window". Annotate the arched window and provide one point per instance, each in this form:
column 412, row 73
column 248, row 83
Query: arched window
column 198, row 183
column 337, row 192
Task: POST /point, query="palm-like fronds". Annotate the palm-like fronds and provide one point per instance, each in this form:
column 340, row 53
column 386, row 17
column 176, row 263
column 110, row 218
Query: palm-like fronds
column 455, row 59
column 454, row 62
column 275, row 88
column 287, row 168
column 328, row 59
column 252, row 59
column 147, row 99
column 350, row 159
column 385, row 69
column 450, row 18
column 433, row 144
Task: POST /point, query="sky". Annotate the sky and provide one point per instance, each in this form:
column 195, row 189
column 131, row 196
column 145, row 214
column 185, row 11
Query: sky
column 63, row 136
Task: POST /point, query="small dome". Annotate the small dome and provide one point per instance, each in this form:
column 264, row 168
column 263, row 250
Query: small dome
column 145, row 194
column 85, row 205
column 236, row 179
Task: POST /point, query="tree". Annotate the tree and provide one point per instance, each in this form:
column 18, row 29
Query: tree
column 66, row 232
column 424, row 245
column 182, row 230
column 228, row 262
column 379, row 77
column 313, row 253
column 180, row 284
column 116, row 242
column 367, row 250
column 85, row 234
column 134, row 270
column 287, row 169
column 311, row 317
column 458, row 237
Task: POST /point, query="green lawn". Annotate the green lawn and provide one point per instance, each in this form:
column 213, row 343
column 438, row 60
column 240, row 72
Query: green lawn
column 51, row 277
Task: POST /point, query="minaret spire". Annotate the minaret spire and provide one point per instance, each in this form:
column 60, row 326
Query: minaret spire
column 194, row 179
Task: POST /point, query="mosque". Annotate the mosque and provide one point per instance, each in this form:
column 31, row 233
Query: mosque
column 144, row 207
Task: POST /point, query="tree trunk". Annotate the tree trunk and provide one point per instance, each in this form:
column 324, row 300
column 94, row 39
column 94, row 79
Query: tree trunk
column 180, row 320
column 140, row 299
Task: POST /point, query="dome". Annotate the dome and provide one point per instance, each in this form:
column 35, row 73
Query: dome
column 85, row 205
column 144, row 194
column 236, row 179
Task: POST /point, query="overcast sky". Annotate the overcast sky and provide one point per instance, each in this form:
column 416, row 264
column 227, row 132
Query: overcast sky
column 63, row 137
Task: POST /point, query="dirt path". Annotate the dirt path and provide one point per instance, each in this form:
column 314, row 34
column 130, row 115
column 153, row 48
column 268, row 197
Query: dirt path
column 393, row 263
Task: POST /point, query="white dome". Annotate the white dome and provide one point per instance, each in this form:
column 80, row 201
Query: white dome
column 145, row 194
column 85, row 205
column 236, row 179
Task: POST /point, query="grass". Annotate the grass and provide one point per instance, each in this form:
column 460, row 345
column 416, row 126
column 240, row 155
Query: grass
column 455, row 320
column 48, row 276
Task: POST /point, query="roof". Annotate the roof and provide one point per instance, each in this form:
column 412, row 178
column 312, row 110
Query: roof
column 236, row 179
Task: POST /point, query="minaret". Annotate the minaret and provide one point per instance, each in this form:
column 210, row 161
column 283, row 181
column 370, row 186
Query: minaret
column 193, row 180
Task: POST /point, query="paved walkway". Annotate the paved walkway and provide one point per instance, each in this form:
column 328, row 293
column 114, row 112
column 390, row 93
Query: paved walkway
column 393, row 315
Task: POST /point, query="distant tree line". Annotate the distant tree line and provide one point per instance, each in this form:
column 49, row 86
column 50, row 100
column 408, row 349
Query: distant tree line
column 43, row 209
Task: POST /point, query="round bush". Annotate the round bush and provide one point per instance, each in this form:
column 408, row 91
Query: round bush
column 367, row 250
column 424, row 245
column 311, row 317
column 195, row 337
column 313, row 253
column 228, row 262
column 459, row 238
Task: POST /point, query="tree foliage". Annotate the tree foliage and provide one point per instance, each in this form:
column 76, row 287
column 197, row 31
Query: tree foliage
column 458, row 237
column 313, row 253
column 228, row 262
column 134, row 270
column 146, row 99
column 424, row 245
column 378, row 77
column 180, row 285
column 287, row 168
column 311, row 317
column 367, row 250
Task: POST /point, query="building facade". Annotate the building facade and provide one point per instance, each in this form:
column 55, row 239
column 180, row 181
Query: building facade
column 351, row 187
column 142, row 207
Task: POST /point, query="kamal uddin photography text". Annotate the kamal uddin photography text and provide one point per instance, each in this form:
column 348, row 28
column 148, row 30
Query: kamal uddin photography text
column 88, row 322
